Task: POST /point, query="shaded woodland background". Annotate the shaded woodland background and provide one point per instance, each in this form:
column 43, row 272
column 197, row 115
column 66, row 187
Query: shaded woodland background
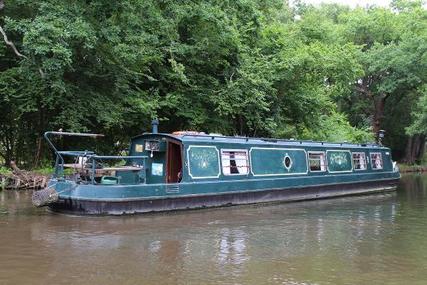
column 245, row 67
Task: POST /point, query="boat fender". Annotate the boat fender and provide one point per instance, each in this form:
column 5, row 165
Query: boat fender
column 45, row 197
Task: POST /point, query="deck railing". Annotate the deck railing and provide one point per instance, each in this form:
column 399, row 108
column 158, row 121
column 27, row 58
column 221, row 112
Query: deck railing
column 87, row 161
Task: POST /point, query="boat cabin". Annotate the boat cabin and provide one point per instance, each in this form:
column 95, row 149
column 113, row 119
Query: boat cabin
column 190, row 157
column 186, row 170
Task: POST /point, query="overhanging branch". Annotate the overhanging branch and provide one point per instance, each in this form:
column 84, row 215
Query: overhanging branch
column 11, row 44
column 6, row 40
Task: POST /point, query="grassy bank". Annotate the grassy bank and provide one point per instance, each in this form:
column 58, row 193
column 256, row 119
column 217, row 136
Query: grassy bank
column 4, row 171
column 405, row 168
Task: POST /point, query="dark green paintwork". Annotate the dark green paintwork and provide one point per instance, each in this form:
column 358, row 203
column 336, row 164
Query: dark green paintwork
column 202, row 173
column 271, row 161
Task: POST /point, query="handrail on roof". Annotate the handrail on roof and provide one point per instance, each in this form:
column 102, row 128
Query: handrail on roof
column 180, row 137
column 281, row 140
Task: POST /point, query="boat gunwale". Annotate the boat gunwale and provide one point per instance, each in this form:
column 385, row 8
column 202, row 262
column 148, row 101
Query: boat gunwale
column 396, row 179
column 165, row 205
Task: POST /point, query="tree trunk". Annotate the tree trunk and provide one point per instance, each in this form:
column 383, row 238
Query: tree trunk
column 415, row 148
column 408, row 151
column 8, row 147
column 422, row 148
column 38, row 152
column 379, row 104
column 240, row 124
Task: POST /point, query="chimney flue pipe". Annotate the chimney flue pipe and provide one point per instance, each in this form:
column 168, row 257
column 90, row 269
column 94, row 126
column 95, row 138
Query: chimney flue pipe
column 155, row 126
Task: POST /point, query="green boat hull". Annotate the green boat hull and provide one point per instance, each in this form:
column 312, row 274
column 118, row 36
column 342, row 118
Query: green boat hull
column 173, row 202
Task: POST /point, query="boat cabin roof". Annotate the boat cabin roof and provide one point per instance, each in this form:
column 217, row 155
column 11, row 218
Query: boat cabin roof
column 214, row 138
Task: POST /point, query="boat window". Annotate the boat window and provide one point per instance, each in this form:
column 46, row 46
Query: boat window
column 139, row 148
column 317, row 161
column 287, row 162
column 376, row 160
column 235, row 162
column 359, row 161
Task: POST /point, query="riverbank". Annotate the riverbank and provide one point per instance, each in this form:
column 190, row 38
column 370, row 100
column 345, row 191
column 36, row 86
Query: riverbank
column 410, row 168
column 17, row 179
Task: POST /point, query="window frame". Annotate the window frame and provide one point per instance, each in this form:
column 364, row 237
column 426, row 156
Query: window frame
column 248, row 164
column 372, row 161
column 364, row 157
column 325, row 161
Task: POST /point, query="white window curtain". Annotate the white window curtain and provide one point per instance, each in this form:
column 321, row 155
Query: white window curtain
column 235, row 162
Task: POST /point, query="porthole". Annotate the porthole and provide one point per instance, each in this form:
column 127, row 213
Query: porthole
column 287, row 162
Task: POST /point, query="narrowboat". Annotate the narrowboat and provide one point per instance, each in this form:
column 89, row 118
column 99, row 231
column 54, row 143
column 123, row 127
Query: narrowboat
column 189, row 170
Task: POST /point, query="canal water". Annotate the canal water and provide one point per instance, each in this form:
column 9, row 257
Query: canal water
column 375, row 239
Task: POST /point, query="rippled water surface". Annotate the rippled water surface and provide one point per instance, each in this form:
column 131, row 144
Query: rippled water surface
column 375, row 239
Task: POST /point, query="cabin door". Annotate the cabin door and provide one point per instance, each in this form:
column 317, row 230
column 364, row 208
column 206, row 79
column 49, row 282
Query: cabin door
column 174, row 163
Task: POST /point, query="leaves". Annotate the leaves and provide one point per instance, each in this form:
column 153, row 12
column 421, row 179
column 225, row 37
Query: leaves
column 256, row 68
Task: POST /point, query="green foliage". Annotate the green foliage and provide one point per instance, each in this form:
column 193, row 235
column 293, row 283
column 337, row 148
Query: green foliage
column 335, row 127
column 257, row 68
column 419, row 115
column 392, row 54
column 5, row 171
column 47, row 170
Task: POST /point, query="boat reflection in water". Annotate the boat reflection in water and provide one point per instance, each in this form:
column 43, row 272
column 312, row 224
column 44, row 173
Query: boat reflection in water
column 286, row 242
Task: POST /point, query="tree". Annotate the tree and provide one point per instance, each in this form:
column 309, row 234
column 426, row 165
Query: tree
column 418, row 129
column 235, row 67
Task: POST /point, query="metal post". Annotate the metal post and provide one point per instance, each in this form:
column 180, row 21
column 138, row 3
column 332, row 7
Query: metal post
column 381, row 134
column 93, row 170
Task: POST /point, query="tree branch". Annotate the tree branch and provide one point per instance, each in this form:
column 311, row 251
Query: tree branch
column 384, row 96
column 11, row 44
column 359, row 88
column 6, row 40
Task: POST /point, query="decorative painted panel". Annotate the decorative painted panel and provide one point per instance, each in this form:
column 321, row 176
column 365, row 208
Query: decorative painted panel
column 278, row 161
column 203, row 162
column 339, row 161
